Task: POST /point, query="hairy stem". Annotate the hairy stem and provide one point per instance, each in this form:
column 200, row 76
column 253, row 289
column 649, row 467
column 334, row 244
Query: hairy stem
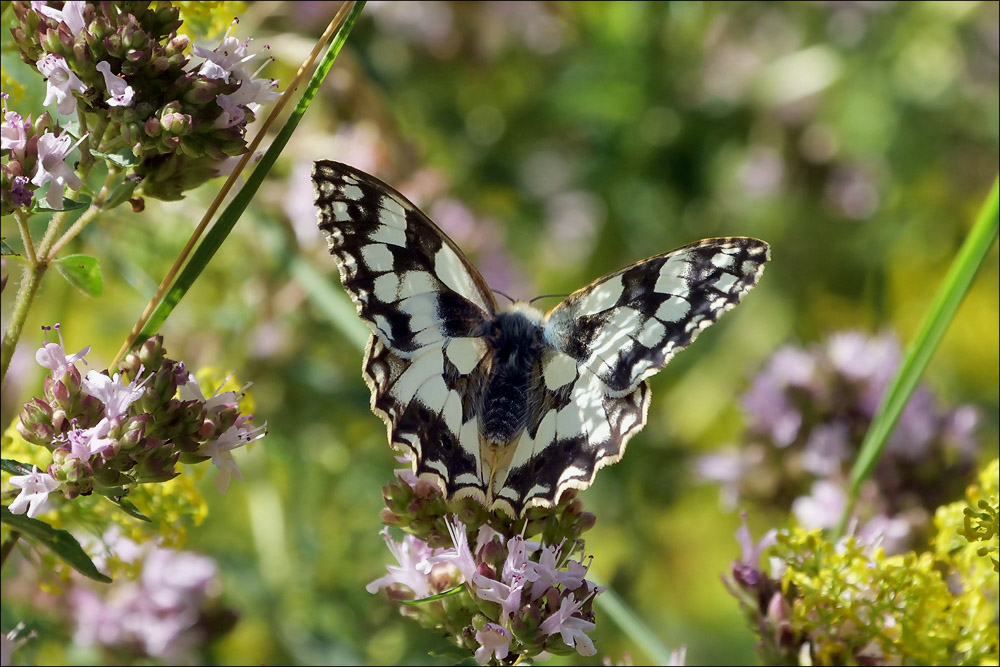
column 22, row 226
column 89, row 214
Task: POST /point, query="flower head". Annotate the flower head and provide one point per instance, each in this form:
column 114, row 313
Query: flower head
column 61, row 84
column 85, row 442
column 413, row 556
column 571, row 627
column 35, row 489
column 221, row 451
column 71, row 14
column 113, row 392
column 14, row 133
column 121, row 93
column 53, row 356
column 52, row 167
column 495, row 642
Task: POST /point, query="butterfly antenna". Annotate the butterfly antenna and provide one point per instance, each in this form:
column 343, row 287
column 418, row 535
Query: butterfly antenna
column 546, row 296
column 508, row 297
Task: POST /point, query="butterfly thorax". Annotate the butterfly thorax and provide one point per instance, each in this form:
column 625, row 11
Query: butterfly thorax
column 516, row 340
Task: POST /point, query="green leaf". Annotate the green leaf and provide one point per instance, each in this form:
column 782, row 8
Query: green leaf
column 432, row 598
column 6, row 249
column 224, row 225
column 82, row 272
column 123, row 158
column 129, row 508
column 120, row 193
column 15, row 467
column 67, row 204
column 954, row 288
column 59, row 542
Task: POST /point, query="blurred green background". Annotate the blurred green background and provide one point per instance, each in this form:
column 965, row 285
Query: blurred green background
column 556, row 142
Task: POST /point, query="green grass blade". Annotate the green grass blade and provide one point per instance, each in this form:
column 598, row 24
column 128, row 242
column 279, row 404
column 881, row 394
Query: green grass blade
column 942, row 311
column 632, row 626
column 224, row 225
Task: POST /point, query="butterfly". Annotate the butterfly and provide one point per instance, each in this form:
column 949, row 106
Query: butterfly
column 512, row 406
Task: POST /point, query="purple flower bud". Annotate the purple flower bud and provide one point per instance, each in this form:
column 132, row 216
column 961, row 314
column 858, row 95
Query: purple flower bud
column 157, row 467
column 135, row 430
column 59, row 391
column 152, row 127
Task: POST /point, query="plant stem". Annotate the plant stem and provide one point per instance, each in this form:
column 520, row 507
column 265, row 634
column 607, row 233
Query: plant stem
column 88, row 215
column 33, row 273
column 22, row 225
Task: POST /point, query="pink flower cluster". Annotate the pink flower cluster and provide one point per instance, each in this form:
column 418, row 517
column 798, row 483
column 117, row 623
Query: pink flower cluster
column 526, row 592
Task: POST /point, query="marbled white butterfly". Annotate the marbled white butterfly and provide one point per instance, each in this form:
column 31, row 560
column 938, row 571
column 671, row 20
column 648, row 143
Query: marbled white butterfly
column 509, row 405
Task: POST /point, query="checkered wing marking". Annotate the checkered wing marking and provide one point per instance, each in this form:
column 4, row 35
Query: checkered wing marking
column 606, row 339
column 629, row 324
column 427, row 308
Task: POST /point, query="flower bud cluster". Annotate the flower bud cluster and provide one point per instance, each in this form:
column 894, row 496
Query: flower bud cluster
column 504, row 596
column 807, row 413
column 107, row 432
column 126, row 70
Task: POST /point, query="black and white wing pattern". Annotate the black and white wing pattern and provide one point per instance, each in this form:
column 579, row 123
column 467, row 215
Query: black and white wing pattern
column 427, row 308
column 604, row 340
column 512, row 407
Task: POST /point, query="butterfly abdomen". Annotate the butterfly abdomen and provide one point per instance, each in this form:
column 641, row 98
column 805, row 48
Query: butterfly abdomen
column 517, row 345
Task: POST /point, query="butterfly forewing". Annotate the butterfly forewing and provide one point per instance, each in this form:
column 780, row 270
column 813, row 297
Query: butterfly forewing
column 426, row 307
column 627, row 325
column 441, row 358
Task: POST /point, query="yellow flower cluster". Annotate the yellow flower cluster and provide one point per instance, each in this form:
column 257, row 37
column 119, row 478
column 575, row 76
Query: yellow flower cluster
column 851, row 603
column 208, row 18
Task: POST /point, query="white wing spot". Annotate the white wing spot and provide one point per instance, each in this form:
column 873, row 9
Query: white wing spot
column 340, row 213
column 571, row 472
column 723, row 261
column 451, row 413
column 439, row 467
column 427, row 365
column 416, row 282
column 387, row 287
column 669, row 281
column 392, row 214
column 601, row 297
column 422, row 310
column 352, row 191
column 546, row 433
column 433, row 394
column 536, row 490
column 377, row 257
column 465, row 353
column 390, row 234
column 452, row 272
column 725, row 282
column 558, row 370
column 673, row 310
column 651, row 334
